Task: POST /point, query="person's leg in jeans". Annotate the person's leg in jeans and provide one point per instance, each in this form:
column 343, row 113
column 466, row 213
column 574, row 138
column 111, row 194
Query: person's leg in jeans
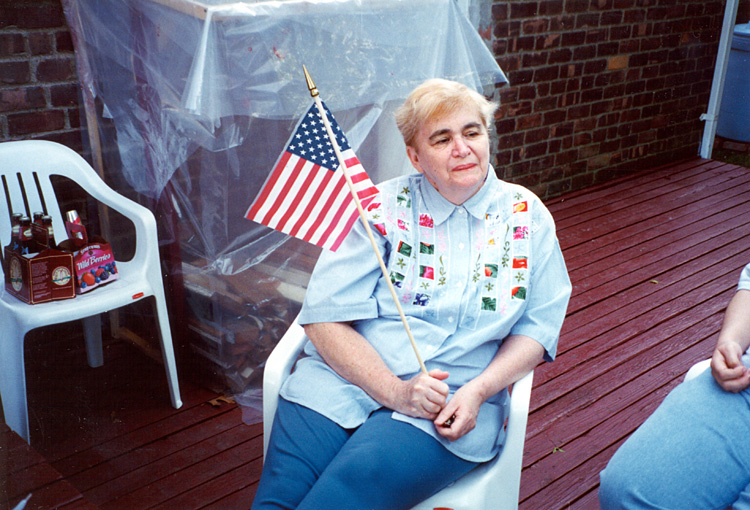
column 692, row 452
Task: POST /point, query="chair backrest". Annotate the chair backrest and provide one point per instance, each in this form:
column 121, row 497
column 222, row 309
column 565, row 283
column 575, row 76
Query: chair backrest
column 26, row 187
column 26, row 168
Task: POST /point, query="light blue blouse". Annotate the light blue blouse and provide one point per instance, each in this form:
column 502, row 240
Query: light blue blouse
column 466, row 277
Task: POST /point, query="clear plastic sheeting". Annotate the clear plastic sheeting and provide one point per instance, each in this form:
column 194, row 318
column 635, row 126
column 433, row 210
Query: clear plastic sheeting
column 190, row 104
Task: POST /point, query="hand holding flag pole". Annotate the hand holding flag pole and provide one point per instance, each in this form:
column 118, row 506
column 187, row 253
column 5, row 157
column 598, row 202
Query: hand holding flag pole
column 316, row 97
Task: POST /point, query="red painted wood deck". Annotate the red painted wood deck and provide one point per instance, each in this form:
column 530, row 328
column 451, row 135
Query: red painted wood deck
column 654, row 259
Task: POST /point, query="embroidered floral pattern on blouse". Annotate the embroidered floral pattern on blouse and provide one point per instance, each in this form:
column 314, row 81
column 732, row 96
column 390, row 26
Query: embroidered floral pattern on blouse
column 520, row 247
column 494, row 228
column 425, row 220
column 477, row 269
column 500, row 246
column 403, row 199
column 520, row 232
column 413, row 263
column 404, row 249
column 426, row 263
column 442, row 272
column 374, row 212
column 505, row 261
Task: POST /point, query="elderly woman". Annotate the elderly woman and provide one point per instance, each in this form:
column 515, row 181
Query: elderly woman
column 478, row 271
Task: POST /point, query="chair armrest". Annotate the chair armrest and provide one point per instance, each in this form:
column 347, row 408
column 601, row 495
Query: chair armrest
column 510, row 461
column 74, row 167
column 519, row 402
column 697, row 369
column 277, row 368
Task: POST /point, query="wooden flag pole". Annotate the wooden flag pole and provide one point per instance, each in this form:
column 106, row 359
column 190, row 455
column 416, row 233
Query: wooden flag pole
column 316, row 97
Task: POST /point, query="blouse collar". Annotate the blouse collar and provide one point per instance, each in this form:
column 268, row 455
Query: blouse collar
column 440, row 208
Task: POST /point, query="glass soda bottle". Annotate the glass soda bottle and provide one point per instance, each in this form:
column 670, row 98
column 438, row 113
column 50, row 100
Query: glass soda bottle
column 47, row 223
column 15, row 231
column 26, row 237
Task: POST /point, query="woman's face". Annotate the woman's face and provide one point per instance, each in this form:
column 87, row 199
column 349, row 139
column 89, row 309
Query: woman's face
column 453, row 153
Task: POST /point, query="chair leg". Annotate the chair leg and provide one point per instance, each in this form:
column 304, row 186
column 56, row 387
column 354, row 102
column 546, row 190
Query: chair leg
column 13, row 382
column 167, row 350
column 92, row 332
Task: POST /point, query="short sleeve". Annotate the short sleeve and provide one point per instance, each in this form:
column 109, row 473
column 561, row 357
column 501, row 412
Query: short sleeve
column 342, row 284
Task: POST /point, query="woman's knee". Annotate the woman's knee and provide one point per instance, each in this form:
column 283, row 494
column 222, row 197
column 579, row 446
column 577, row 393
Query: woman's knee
column 617, row 485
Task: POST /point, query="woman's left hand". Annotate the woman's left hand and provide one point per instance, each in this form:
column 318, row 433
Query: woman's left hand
column 517, row 355
column 463, row 408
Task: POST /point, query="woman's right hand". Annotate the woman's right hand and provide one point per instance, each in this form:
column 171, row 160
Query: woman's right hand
column 422, row 396
column 727, row 367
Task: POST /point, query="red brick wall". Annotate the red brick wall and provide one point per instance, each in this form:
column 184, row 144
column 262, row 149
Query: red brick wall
column 601, row 87
column 38, row 80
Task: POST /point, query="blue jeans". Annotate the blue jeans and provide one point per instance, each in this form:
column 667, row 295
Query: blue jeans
column 692, row 453
column 312, row 463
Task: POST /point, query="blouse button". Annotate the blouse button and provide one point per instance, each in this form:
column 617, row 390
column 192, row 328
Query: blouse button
column 450, row 319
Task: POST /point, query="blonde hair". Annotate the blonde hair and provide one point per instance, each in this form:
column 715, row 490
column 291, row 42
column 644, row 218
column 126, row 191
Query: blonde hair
column 435, row 98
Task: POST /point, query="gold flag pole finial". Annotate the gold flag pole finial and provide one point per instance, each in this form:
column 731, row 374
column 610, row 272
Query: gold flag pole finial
column 310, row 84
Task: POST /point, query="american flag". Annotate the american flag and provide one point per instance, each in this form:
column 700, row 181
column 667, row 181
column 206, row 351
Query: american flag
column 306, row 194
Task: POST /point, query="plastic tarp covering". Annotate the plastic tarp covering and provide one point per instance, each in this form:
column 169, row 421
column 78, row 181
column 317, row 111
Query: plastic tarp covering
column 191, row 103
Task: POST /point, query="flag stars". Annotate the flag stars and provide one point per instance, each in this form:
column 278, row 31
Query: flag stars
column 312, row 137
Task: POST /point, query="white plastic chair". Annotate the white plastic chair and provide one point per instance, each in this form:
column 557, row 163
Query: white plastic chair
column 697, row 369
column 492, row 485
column 31, row 163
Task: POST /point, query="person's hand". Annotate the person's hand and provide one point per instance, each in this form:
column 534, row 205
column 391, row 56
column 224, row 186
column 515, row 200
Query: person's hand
column 459, row 416
column 727, row 367
column 423, row 396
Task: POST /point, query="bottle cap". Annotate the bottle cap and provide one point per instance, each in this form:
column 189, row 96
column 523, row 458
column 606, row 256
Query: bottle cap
column 72, row 216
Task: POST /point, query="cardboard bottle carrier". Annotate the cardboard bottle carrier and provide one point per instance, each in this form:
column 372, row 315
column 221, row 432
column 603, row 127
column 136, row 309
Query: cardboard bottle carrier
column 77, row 266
